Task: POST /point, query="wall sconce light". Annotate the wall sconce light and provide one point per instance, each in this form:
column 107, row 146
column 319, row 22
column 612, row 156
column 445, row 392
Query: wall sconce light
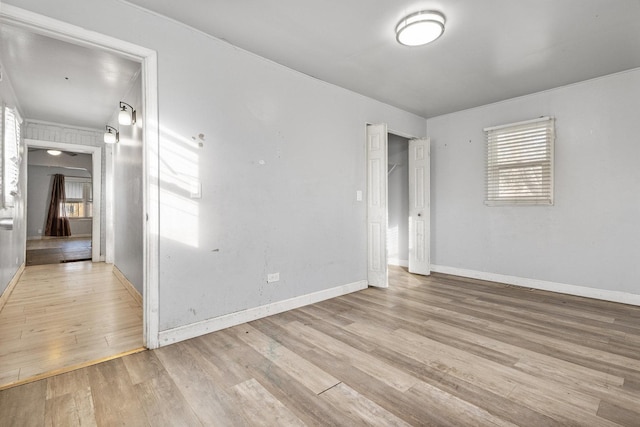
column 110, row 137
column 126, row 117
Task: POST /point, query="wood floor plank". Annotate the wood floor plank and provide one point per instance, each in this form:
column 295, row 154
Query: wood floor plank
column 71, row 409
column 622, row 416
column 197, row 382
column 62, row 315
column 114, row 396
column 389, row 374
column 164, row 404
column 427, row 351
column 505, row 409
column 538, row 363
column 377, row 390
column 253, row 398
column 454, row 411
column 499, row 379
column 362, row 410
column 312, row 377
column 67, row 383
column 24, row 405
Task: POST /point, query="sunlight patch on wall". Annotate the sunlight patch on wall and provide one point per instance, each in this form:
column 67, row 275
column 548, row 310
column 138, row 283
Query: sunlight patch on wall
column 180, row 188
column 179, row 218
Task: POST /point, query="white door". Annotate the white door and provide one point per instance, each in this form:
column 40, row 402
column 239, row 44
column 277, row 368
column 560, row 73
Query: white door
column 377, row 205
column 419, row 211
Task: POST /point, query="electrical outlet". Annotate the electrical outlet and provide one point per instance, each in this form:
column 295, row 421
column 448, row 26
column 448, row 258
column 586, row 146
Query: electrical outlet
column 273, row 277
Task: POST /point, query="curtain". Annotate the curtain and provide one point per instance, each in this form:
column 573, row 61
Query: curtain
column 57, row 221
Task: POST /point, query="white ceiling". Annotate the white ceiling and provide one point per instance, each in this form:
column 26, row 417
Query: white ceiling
column 60, row 82
column 491, row 49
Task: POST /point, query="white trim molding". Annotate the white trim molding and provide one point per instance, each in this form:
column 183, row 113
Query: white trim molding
column 193, row 330
column 128, row 285
column 562, row 288
column 11, row 286
column 97, row 176
column 148, row 59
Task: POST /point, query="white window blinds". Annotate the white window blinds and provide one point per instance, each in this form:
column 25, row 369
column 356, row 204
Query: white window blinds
column 10, row 166
column 77, row 188
column 520, row 163
column 74, row 190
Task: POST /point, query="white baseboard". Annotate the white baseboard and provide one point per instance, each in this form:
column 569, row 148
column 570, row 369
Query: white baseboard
column 10, row 287
column 562, row 288
column 193, row 330
column 127, row 284
column 398, row 262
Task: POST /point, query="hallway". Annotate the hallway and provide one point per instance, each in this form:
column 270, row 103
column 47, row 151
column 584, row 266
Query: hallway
column 54, row 250
column 63, row 316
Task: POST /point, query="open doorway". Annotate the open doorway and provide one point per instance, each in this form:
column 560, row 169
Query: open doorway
column 379, row 234
column 398, row 201
column 101, row 45
column 45, row 134
column 72, row 242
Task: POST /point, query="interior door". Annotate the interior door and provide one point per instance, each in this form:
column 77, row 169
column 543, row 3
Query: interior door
column 419, row 210
column 377, row 205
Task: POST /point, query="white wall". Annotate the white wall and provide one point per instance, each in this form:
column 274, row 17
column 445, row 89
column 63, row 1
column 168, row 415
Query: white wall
column 590, row 237
column 12, row 242
column 398, row 201
column 282, row 158
column 127, row 194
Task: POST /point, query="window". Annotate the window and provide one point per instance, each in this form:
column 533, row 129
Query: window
column 10, row 160
column 520, row 163
column 79, row 195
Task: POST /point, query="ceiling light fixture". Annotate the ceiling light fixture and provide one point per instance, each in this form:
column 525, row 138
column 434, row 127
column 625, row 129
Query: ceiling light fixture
column 110, row 137
column 54, row 152
column 420, row 28
column 126, row 117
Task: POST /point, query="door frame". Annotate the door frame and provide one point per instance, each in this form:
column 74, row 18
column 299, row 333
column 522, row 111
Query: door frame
column 60, row 30
column 385, row 177
column 96, row 182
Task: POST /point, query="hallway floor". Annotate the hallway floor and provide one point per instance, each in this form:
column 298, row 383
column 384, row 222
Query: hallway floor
column 62, row 316
column 54, row 250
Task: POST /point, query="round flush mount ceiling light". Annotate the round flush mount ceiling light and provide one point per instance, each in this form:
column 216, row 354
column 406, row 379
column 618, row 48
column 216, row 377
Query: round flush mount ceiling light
column 420, row 28
column 54, row 152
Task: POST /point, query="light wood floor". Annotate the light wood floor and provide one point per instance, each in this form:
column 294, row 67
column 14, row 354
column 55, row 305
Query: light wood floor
column 54, row 250
column 64, row 315
column 438, row 351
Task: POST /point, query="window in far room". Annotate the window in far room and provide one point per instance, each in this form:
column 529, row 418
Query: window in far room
column 79, row 197
column 10, row 162
column 520, row 163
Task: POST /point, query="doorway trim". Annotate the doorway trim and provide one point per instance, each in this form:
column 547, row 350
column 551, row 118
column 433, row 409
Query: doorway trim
column 150, row 164
column 378, row 182
column 96, row 182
